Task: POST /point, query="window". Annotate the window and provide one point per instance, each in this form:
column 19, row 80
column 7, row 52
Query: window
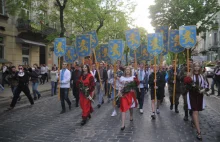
column 1, row 48
column 25, row 55
column 2, row 7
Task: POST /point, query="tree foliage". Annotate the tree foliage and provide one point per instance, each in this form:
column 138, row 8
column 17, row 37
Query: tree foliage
column 175, row 13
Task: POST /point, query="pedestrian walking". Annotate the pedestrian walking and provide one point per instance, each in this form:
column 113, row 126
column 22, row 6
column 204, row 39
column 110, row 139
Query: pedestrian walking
column 159, row 95
column 54, row 78
column 195, row 99
column 86, row 86
column 65, row 77
column 127, row 95
column 23, row 80
column 35, row 72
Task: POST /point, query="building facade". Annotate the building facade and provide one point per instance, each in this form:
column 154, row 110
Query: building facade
column 23, row 40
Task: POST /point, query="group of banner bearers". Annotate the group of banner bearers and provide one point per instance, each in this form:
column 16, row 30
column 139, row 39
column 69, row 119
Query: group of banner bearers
column 127, row 86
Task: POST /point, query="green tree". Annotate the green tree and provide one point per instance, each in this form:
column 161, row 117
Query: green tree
column 175, row 13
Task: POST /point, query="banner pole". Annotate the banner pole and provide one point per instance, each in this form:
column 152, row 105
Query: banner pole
column 97, row 69
column 174, row 85
column 155, row 78
column 59, row 78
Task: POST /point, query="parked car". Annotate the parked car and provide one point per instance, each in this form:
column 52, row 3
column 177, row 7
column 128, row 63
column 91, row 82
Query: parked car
column 209, row 71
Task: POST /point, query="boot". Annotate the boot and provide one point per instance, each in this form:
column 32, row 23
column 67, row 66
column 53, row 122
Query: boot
column 171, row 106
column 176, row 109
column 186, row 116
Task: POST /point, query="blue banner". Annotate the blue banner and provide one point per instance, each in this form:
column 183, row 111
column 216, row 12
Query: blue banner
column 164, row 30
column 138, row 53
column 83, row 44
column 70, row 55
column 155, row 43
column 104, row 53
column 187, row 36
column 115, row 49
column 94, row 39
column 133, row 38
column 174, row 42
column 123, row 59
column 98, row 55
column 60, row 46
column 144, row 53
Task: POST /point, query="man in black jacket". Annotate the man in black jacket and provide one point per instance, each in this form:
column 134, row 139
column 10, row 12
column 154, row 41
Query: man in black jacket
column 100, row 88
column 23, row 80
column 76, row 73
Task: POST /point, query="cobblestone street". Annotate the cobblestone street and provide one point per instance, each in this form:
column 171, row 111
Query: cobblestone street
column 43, row 123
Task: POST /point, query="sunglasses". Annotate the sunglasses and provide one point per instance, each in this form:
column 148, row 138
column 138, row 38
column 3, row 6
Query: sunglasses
column 20, row 68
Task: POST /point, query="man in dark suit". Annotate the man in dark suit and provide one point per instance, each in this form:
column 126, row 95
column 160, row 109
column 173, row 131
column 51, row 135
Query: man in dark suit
column 76, row 73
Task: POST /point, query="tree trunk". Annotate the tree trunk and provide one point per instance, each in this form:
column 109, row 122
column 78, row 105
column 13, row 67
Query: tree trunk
column 61, row 22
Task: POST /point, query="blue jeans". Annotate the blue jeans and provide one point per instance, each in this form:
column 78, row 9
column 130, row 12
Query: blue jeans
column 13, row 88
column 53, row 88
column 64, row 96
column 100, row 92
column 34, row 89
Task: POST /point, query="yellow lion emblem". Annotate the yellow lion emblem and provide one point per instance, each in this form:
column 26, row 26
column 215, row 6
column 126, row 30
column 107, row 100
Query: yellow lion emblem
column 187, row 37
column 83, row 46
column 176, row 41
column 59, row 47
column 144, row 52
column 132, row 39
column 105, row 52
column 68, row 54
column 115, row 50
column 155, row 45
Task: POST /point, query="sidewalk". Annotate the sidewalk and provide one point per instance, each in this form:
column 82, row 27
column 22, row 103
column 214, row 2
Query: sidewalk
column 7, row 94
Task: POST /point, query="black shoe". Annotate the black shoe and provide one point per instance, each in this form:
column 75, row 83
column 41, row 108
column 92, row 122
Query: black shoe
column 35, row 98
column 39, row 96
column 185, row 118
column 171, row 107
column 153, row 116
column 89, row 116
column 70, row 107
column 98, row 105
column 63, row 111
column 10, row 108
column 199, row 136
column 122, row 128
column 83, row 122
column 176, row 110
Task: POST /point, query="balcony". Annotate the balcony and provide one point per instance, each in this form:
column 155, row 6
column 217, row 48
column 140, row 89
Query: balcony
column 28, row 25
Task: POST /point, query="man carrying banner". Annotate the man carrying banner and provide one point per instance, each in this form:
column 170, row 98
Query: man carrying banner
column 100, row 88
column 171, row 82
column 158, row 93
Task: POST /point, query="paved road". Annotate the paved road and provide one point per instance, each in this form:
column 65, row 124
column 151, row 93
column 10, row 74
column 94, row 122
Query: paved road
column 43, row 123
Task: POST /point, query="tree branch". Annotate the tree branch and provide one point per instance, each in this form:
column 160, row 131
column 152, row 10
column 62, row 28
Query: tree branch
column 58, row 2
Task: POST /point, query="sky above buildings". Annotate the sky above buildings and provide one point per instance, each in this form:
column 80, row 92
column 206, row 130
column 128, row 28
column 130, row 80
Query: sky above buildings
column 141, row 15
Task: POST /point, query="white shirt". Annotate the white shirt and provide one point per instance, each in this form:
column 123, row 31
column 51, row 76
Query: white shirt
column 4, row 69
column 46, row 69
column 65, row 83
column 141, row 78
column 43, row 70
column 93, row 74
column 110, row 79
